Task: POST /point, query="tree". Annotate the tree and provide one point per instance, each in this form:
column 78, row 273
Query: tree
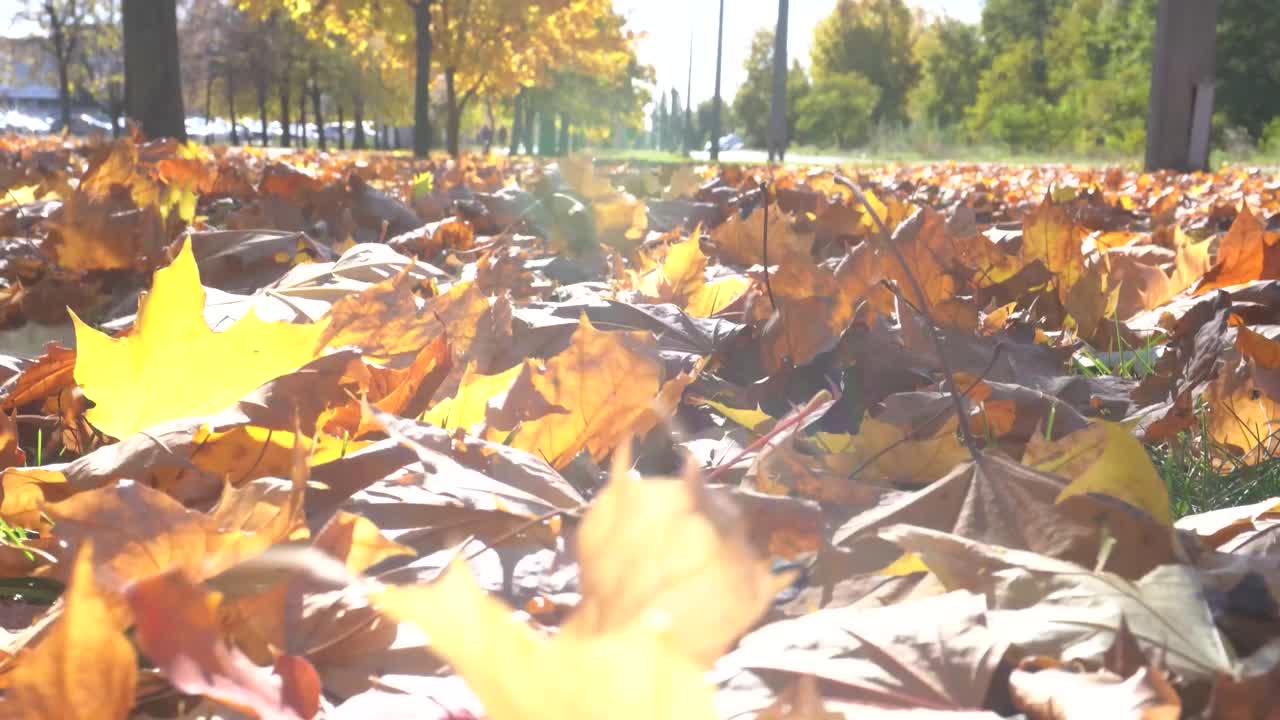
column 778, row 127
column 152, row 74
column 1008, row 23
column 421, row 77
column 837, row 110
column 952, row 57
column 66, row 24
column 874, row 38
column 717, row 101
column 1248, row 90
column 751, row 106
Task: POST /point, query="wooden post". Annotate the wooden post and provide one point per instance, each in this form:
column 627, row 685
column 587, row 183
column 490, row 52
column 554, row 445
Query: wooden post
column 1182, row 75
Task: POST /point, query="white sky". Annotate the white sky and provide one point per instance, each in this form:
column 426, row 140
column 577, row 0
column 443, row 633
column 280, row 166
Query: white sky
column 667, row 25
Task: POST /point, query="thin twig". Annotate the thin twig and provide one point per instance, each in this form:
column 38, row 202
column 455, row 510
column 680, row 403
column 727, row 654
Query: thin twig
column 797, row 418
column 966, row 437
column 764, row 250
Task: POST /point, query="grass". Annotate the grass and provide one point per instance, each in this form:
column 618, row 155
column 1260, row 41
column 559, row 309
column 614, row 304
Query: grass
column 1202, row 475
column 1196, row 486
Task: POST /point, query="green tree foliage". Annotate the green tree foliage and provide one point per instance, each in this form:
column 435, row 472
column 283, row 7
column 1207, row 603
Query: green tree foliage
column 1065, row 74
column 951, row 56
column 874, row 38
column 837, row 110
column 1248, row 92
column 751, row 104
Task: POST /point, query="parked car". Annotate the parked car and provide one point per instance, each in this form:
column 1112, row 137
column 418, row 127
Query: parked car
column 728, row 142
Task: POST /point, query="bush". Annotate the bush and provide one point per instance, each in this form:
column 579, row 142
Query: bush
column 837, row 110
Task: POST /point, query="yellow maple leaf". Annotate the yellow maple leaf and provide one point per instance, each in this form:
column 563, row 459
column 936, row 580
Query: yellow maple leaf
column 669, row 581
column 1104, row 458
column 607, row 381
column 1052, row 237
column 171, row 365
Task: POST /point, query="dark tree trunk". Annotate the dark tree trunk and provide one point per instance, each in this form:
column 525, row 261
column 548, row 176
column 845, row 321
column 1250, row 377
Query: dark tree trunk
column 517, row 122
column 64, row 92
column 302, row 115
column 454, row 115
column 286, row 129
column 117, row 107
column 342, row 129
column 321, row 141
column 716, row 102
column 231, row 105
column 488, row 114
column 529, row 112
column 778, row 102
column 62, row 50
column 208, row 101
column 564, row 148
column 260, row 84
column 422, row 78
column 358, row 141
column 152, row 74
column 546, row 133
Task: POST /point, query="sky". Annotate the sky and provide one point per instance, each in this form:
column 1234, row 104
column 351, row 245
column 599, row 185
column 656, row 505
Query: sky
column 667, row 25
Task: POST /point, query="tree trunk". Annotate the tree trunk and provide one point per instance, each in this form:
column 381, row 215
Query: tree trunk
column 302, row 114
column 62, row 57
column 564, row 146
column 117, row 106
column 260, row 84
column 488, row 114
column 454, row 119
column 152, row 74
column 529, row 112
column 231, row 105
column 1180, row 107
column 64, row 93
column 546, row 133
column 286, row 129
column 321, row 141
column 208, row 101
column 517, row 124
column 778, row 111
column 716, row 101
column 422, row 78
column 342, row 129
column 358, row 141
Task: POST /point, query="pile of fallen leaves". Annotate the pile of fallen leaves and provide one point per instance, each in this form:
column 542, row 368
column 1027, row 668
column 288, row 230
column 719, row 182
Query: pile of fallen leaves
column 358, row 436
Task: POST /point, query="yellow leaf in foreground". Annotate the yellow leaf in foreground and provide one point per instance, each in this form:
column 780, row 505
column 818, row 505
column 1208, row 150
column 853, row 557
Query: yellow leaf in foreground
column 1104, row 458
column 172, row 365
column 84, row 667
column 669, row 581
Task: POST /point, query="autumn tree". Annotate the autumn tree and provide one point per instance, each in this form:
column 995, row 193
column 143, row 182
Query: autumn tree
column 874, row 38
column 152, row 75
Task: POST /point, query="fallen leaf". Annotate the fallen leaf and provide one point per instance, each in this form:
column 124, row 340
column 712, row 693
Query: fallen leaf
column 84, row 667
column 177, row 628
column 172, row 365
